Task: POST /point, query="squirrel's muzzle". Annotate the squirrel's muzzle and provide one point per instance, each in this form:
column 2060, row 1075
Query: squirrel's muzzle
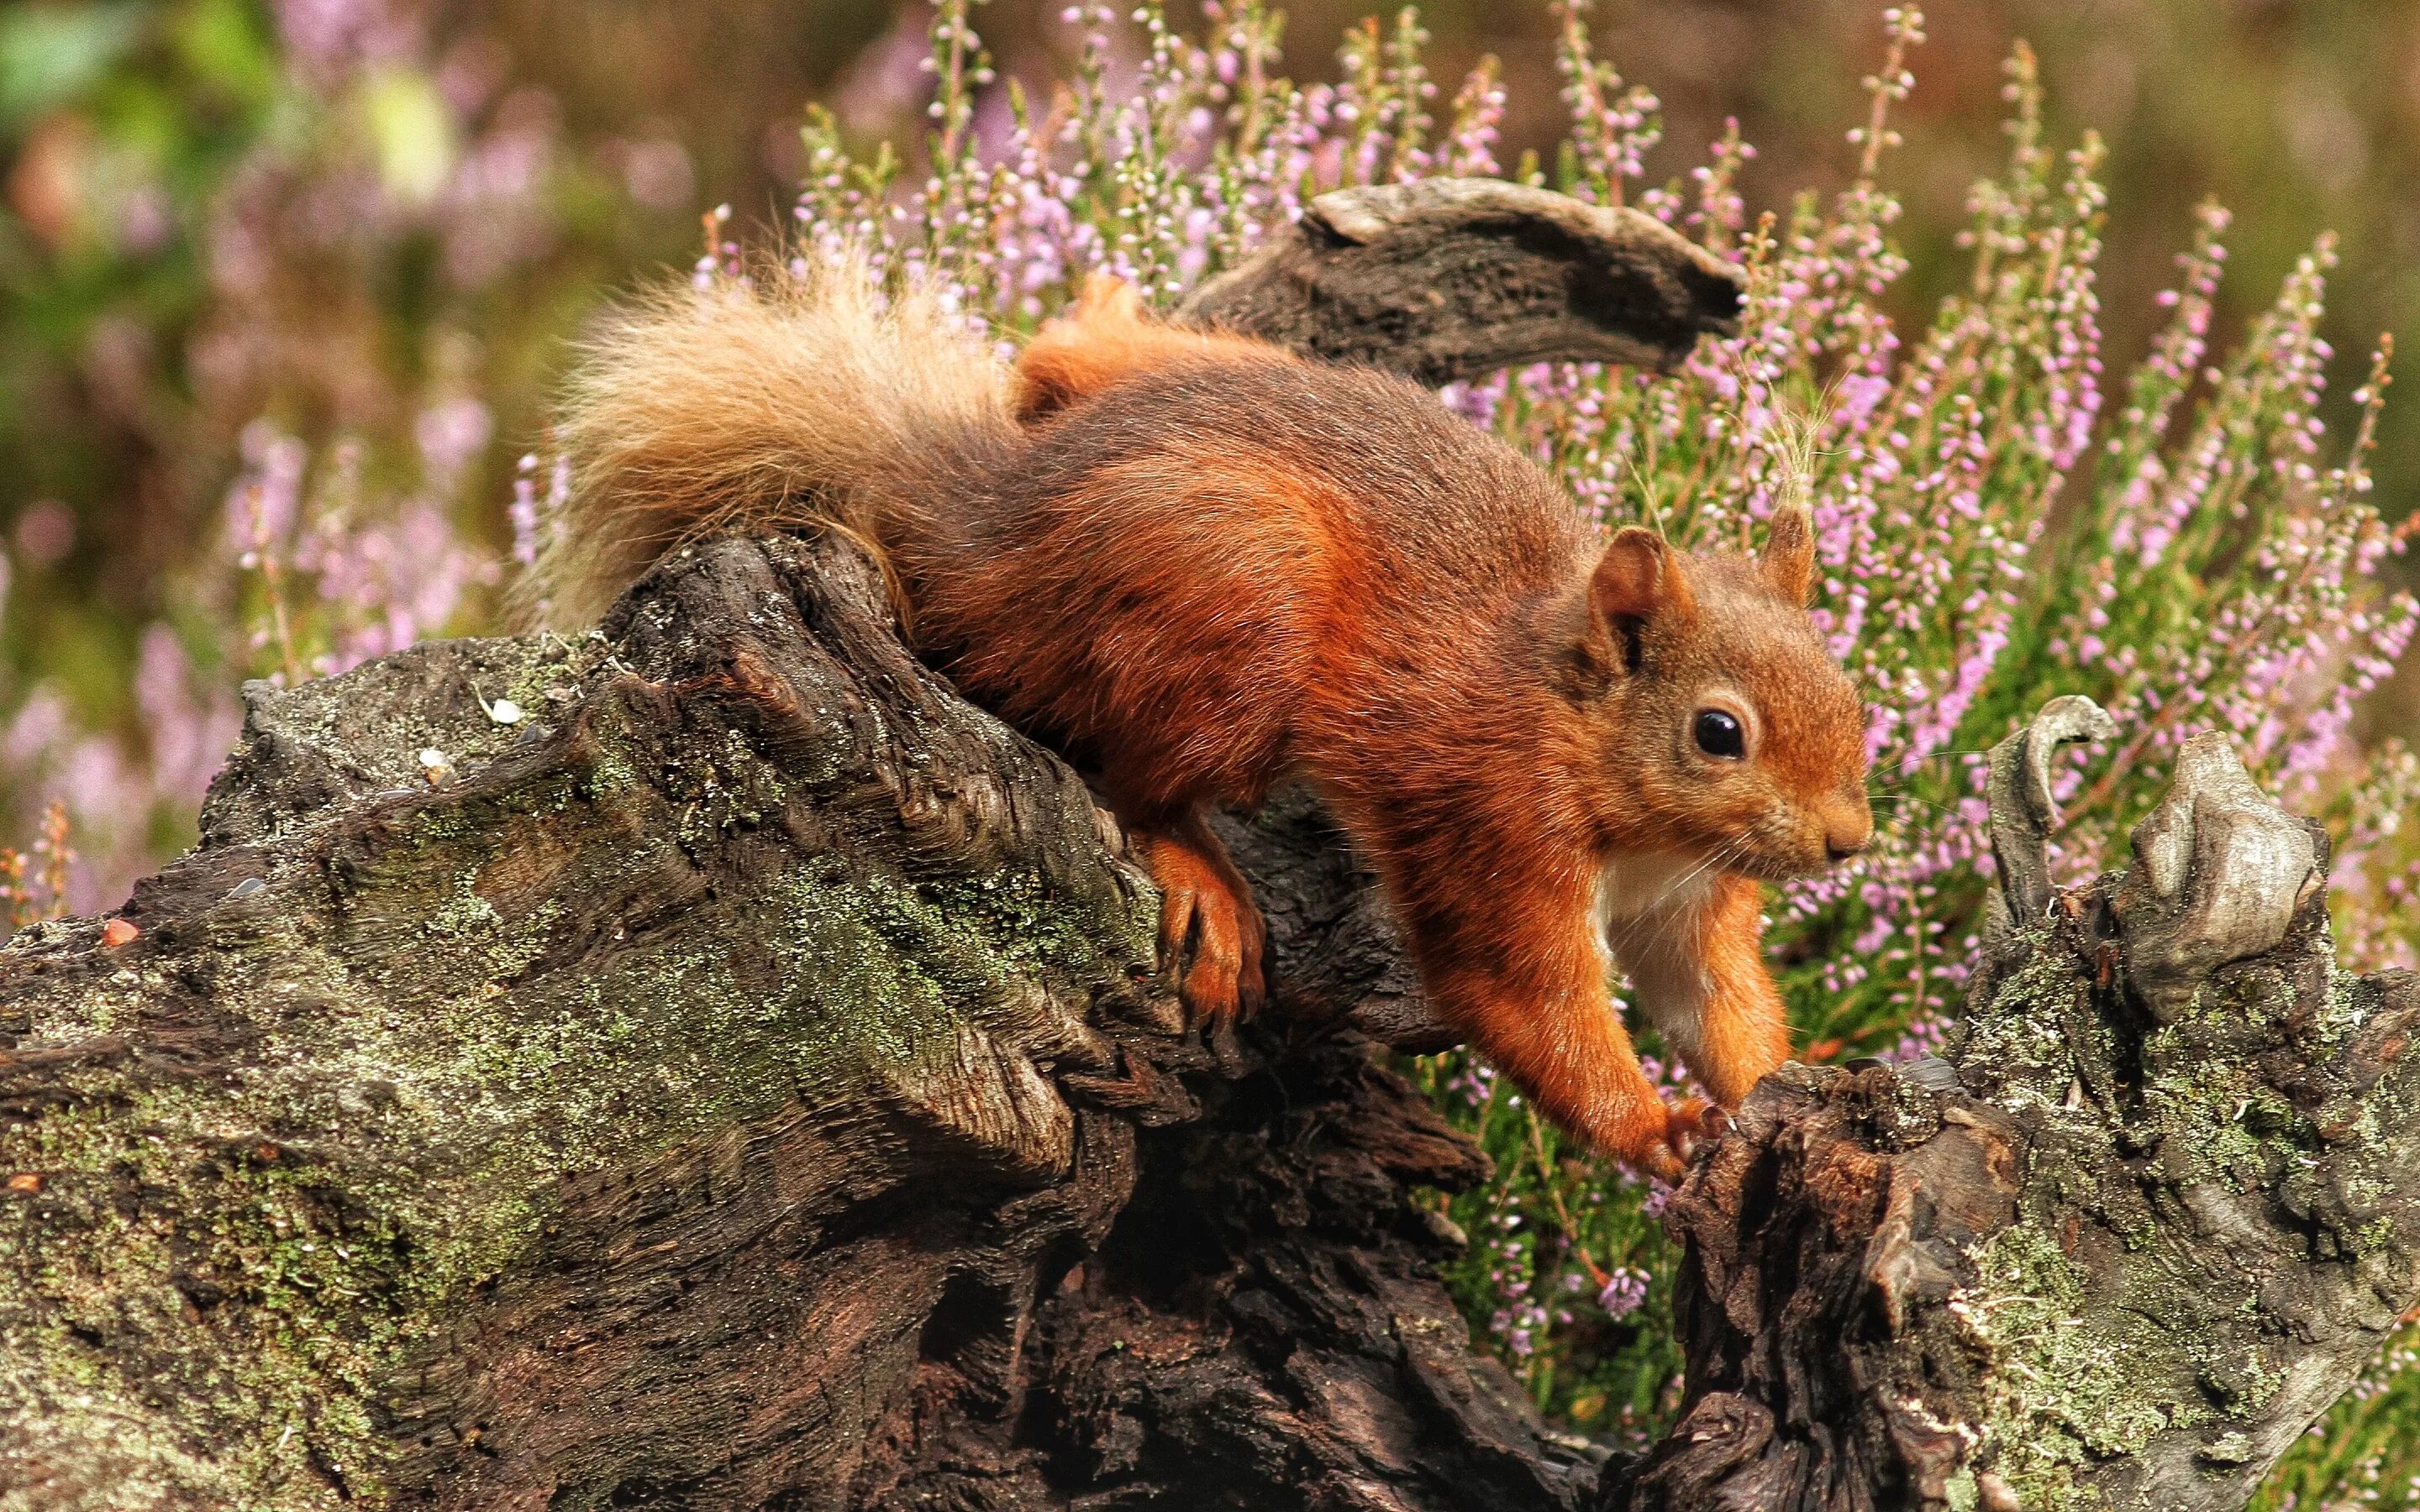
column 1846, row 832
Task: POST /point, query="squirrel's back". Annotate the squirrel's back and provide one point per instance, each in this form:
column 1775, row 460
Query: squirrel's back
column 1185, row 566
column 1138, row 534
column 1117, row 445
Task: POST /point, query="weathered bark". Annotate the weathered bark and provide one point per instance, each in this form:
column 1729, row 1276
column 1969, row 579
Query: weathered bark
column 722, row 1089
column 1452, row 278
column 742, row 1080
column 2150, row 1214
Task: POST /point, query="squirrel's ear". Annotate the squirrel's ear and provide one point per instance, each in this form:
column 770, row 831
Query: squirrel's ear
column 1788, row 559
column 1639, row 579
column 1106, row 296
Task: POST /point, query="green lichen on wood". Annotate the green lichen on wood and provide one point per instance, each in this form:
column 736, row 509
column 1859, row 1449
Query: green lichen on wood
column 2070, row 1377
column 442, row 1014
column 2128, row 1315
column 2066, row 1386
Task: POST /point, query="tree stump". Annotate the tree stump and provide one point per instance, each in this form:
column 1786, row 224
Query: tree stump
column 2153, row 1211
column 729, row 1086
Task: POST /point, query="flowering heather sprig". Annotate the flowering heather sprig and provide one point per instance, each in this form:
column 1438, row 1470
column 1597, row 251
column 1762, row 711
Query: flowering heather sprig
column 1383, row 95
column 1721, row 213
column 1615, row 124
column 1625, row 1293
column 54, row 854
column 1474, row 126
column 25, row 900
column 343, row 576
column 523, row 513
column 1903, row 27
column 17, row 904
column 720, row 256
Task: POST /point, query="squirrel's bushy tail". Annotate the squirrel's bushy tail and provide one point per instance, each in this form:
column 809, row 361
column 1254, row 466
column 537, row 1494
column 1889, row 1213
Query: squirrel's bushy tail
column 783, row 401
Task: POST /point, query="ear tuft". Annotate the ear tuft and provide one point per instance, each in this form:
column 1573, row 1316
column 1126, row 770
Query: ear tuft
column 1639, row 580
column 1789, row 559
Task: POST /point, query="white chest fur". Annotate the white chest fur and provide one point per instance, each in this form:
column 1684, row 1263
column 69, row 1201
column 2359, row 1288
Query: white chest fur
column 1648, row 908
column 1641, row 885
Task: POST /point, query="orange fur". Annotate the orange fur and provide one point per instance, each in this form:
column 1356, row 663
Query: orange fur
column 1206, row 912
column 1201, row 565
column 1106, row 336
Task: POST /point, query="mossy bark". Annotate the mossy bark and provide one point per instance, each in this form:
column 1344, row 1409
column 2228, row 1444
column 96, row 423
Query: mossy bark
column 718, row 1089
column 2154, row 1212
column 745, row 1081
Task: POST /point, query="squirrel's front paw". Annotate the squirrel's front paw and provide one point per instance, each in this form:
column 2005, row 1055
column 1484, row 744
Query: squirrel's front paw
column 1205, row 905
column 1661, row 1138
column 1691, row 1120
column 1646, row 1141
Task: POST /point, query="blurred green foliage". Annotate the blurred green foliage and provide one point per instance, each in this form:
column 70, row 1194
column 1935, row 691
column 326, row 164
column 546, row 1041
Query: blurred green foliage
column 119, row 122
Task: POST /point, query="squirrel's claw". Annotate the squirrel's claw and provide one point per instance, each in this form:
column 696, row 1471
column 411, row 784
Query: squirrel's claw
column 1661, row 1146
column 1663, row 1161
column 1222, row 986
column 1207, row 906
column 1651, row 1138
column 1689, row 1120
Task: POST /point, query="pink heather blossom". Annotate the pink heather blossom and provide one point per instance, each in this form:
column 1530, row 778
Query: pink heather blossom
column 1625, row 1292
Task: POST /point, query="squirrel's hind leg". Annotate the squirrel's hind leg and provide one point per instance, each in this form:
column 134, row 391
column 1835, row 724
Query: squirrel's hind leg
column 1205, row 904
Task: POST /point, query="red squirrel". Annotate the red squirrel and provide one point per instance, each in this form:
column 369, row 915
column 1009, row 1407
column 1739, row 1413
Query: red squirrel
column 1198, row 564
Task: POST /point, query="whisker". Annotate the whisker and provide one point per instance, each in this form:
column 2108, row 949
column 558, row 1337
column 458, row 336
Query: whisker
column 1727, row 854
column 1907, row 764
column 1669, row 920
column 1910, row 797
column 1690, row 875
column 1886, row 784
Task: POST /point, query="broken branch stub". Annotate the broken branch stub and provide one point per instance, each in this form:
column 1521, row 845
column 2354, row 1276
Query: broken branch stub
column 2024, row 811
column 2219, row 874
column 1452, row 279
column 2123, row 1261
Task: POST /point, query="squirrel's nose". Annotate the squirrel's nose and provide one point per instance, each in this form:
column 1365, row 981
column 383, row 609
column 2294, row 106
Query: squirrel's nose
column 1846, row 835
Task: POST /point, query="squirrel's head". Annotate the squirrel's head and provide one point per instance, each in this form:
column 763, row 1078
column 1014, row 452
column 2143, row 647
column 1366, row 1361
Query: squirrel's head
column 1723, row 726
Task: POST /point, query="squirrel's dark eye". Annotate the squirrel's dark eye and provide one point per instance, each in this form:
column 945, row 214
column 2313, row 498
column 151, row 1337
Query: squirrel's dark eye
column 1719, row 734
